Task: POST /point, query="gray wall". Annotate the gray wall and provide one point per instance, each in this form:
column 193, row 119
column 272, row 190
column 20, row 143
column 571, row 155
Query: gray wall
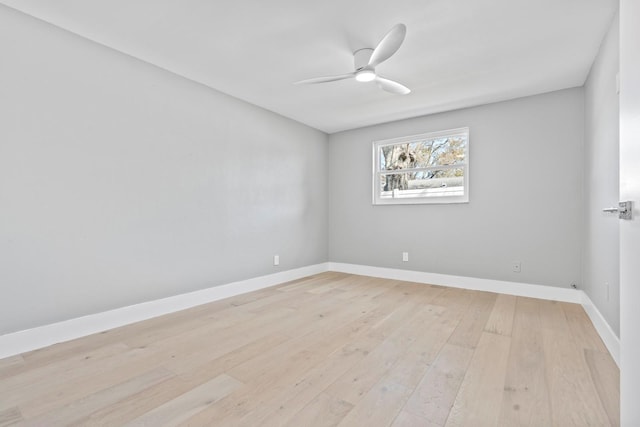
column 601, row 235
column 525, row 196
column 122, row 183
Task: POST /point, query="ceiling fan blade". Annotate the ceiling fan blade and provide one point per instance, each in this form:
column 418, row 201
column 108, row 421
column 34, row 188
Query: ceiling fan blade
column 325, row 79
column 391, row 86
column 388, row 45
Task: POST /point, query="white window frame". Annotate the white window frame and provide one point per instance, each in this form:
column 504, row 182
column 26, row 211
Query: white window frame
column 425, row 197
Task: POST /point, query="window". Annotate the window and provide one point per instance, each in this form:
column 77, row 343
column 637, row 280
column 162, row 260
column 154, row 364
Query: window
column 427, row 168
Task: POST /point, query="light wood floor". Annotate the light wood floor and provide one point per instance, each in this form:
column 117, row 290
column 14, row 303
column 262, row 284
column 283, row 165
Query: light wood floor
column 332, row 349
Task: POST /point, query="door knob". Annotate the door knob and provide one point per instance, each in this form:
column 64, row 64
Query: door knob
column 624, row 209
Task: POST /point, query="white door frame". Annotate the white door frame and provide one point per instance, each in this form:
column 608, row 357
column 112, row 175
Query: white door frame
column 630, row 230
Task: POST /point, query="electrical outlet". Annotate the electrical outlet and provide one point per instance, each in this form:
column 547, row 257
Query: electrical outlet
column 405, row 256
column 516, row 267
column 276, row 260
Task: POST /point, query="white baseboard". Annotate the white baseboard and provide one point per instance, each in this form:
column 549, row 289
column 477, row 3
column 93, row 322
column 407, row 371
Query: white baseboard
column 473, row 283
column 610, row 339
column 43, row 336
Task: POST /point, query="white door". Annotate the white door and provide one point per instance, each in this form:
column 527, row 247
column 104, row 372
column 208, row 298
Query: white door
column 630, row 230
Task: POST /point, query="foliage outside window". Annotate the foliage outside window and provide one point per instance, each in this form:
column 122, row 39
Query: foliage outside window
column 427, row 168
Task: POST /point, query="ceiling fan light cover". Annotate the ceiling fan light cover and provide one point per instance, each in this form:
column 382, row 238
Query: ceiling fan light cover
column 365, row 76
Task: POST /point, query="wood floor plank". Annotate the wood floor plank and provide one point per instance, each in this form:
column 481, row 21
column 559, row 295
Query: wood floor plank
column 379, row 406
column 207, row 364
column 10, row 366
column 582, row 329
column 377, row 324
column 456, row 300
column 165, row 326
column 572, row 393
column 321, row 339
column 10, row 417
column 123, row 366
column 311, row 282
column 431, row 331
column 606, row 377
column 406, row 419
column 84, row 407
column 181, row 408
column 366, row 287
column 501, row 318
column 435, row 394
column 323, row 411
column 353, row 385
column 137, row 404
column 220, row 319
column 526, row 394
column 285, row 367
column 484, row 378
column 286, row 402
column 229, row 350
column 473, row 321
column 330, row 349
column 552, row 316
column 11, row 362
column 357, row 345
column 283, row 300
column 333, row 284
column 16, row 389
column 294, row 285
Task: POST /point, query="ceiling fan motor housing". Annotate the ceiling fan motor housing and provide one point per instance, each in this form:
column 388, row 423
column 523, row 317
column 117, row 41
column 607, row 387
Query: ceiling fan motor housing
column 361, row 58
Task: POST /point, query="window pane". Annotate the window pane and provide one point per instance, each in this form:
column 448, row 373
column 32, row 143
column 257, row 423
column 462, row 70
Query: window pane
column 433, row 183
column 423, row 153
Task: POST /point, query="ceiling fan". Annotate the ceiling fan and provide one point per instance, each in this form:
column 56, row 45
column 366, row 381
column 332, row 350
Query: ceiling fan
column 367, row 59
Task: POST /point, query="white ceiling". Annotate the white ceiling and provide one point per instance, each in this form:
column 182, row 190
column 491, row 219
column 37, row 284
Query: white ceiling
column 457, row 53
